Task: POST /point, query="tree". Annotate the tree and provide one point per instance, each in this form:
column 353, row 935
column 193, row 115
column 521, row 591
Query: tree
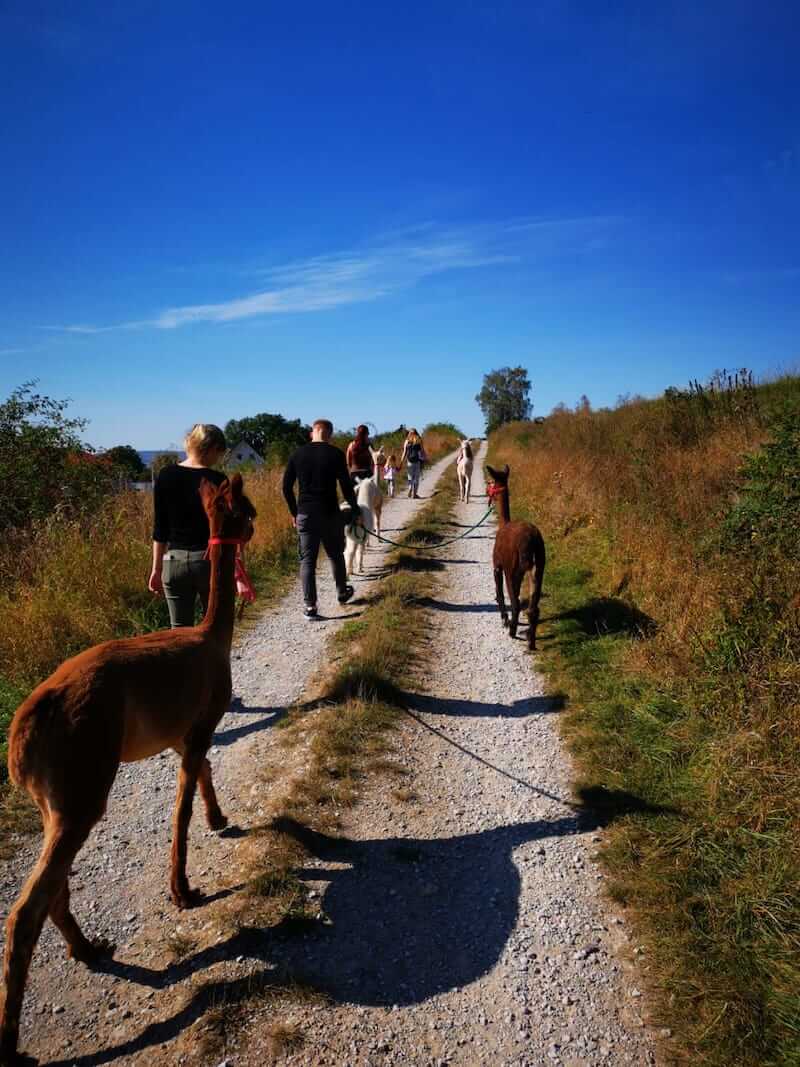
column 162, row 460
column 272, row 436
column 127, row 459
column 44, row 464
column 505, row 397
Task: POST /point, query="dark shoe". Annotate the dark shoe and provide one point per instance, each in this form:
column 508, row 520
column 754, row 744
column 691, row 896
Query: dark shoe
column 346, row 593
column 310, row 611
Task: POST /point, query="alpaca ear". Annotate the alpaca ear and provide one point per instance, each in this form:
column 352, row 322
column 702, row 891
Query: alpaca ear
column 236, row 486
column 508, row 470
column 492, row 471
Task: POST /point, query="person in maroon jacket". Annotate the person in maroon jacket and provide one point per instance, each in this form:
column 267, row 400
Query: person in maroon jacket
column 359, row 457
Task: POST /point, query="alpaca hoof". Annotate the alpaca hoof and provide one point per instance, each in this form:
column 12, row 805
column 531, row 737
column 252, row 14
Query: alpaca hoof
column 217, row 821
column 505, row 624
column 92, row 951
column 189, row 898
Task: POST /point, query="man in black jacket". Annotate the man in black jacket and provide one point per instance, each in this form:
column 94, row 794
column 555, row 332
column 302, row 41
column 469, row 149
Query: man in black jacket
column 318, row 467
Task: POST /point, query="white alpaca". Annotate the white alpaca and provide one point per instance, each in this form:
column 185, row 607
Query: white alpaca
column 464, row 470
column 370, row 503
column 378, row 461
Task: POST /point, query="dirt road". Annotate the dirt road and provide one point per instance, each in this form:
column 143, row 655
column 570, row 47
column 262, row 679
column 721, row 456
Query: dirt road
column 464, row 918
column 466, row 922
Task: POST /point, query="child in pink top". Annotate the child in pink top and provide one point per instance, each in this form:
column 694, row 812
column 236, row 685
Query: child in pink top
column 388, row 473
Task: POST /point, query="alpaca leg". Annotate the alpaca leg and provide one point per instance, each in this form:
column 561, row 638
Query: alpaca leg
column 537, row 576
column 79, row 947
column 182, row 895
column 25, row 923
column 467, row 488
column 214, row 817
column 514, row 583
column 498, row 587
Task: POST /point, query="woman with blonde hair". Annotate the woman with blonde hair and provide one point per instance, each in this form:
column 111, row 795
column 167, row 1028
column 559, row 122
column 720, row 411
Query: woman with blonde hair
column 414, row 456
column 180, row 527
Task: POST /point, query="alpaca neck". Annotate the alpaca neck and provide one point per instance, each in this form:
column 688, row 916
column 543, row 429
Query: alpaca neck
column 503, row 510
column 219, row 617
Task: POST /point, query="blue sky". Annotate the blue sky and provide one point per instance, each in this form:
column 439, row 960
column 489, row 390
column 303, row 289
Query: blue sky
column 356, row 210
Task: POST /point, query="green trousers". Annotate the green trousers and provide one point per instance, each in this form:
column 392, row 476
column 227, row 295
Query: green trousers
column 186, row 576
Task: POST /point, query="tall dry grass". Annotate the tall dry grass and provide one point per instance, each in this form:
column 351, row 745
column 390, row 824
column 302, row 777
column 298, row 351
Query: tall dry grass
column 74, row 582
column 673, row 621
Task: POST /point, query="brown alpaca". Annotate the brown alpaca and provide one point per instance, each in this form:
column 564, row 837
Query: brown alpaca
column 518, row 550
column 121, row 701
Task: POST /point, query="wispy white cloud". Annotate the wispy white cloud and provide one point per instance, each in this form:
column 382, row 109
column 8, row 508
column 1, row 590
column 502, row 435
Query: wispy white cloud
column 398, row 261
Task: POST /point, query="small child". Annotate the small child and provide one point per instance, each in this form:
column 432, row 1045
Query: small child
column 389, row 472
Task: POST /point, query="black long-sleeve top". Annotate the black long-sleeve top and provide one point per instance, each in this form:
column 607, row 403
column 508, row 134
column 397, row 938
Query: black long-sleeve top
column 318, row 467
column 180, row 519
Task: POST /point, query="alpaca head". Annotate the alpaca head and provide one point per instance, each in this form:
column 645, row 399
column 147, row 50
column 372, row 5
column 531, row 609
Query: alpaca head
column 499, row 477
column 230, row 513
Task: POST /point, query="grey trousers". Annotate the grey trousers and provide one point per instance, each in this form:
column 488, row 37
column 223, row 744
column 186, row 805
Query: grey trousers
column 313, row 531
column 186, row 576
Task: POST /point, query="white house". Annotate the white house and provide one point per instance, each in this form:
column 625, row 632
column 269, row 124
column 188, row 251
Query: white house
column 240, row 454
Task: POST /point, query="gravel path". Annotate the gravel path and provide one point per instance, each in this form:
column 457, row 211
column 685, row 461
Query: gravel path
column 467, row 924
column 132, row 1011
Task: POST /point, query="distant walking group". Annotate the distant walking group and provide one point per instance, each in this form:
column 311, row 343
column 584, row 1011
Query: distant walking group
column 318, row 468
column 181, row 569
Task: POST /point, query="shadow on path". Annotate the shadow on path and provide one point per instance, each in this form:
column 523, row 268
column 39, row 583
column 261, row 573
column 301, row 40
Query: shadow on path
column 403, row 920
column 270, row 717
column 446, row 605
column 518, row 709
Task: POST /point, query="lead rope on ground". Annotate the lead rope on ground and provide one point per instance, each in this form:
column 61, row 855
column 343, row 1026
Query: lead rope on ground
column 359, row 532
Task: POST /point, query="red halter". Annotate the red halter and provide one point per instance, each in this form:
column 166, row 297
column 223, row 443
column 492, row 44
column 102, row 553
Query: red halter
column 244, row 587
column 493, row 490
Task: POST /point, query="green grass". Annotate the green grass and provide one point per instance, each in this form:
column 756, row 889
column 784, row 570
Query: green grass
column 709, row 866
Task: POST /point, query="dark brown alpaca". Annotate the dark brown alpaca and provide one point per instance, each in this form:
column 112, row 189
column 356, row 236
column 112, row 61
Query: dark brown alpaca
column 518, row 550
column 119, row 702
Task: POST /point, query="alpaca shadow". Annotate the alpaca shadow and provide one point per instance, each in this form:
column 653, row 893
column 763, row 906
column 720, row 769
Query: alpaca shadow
column 518, row 709
column 609, row 616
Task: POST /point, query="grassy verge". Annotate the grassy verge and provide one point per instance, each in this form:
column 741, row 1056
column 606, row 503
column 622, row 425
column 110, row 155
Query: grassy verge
column 671, row 621
column 344, row 734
